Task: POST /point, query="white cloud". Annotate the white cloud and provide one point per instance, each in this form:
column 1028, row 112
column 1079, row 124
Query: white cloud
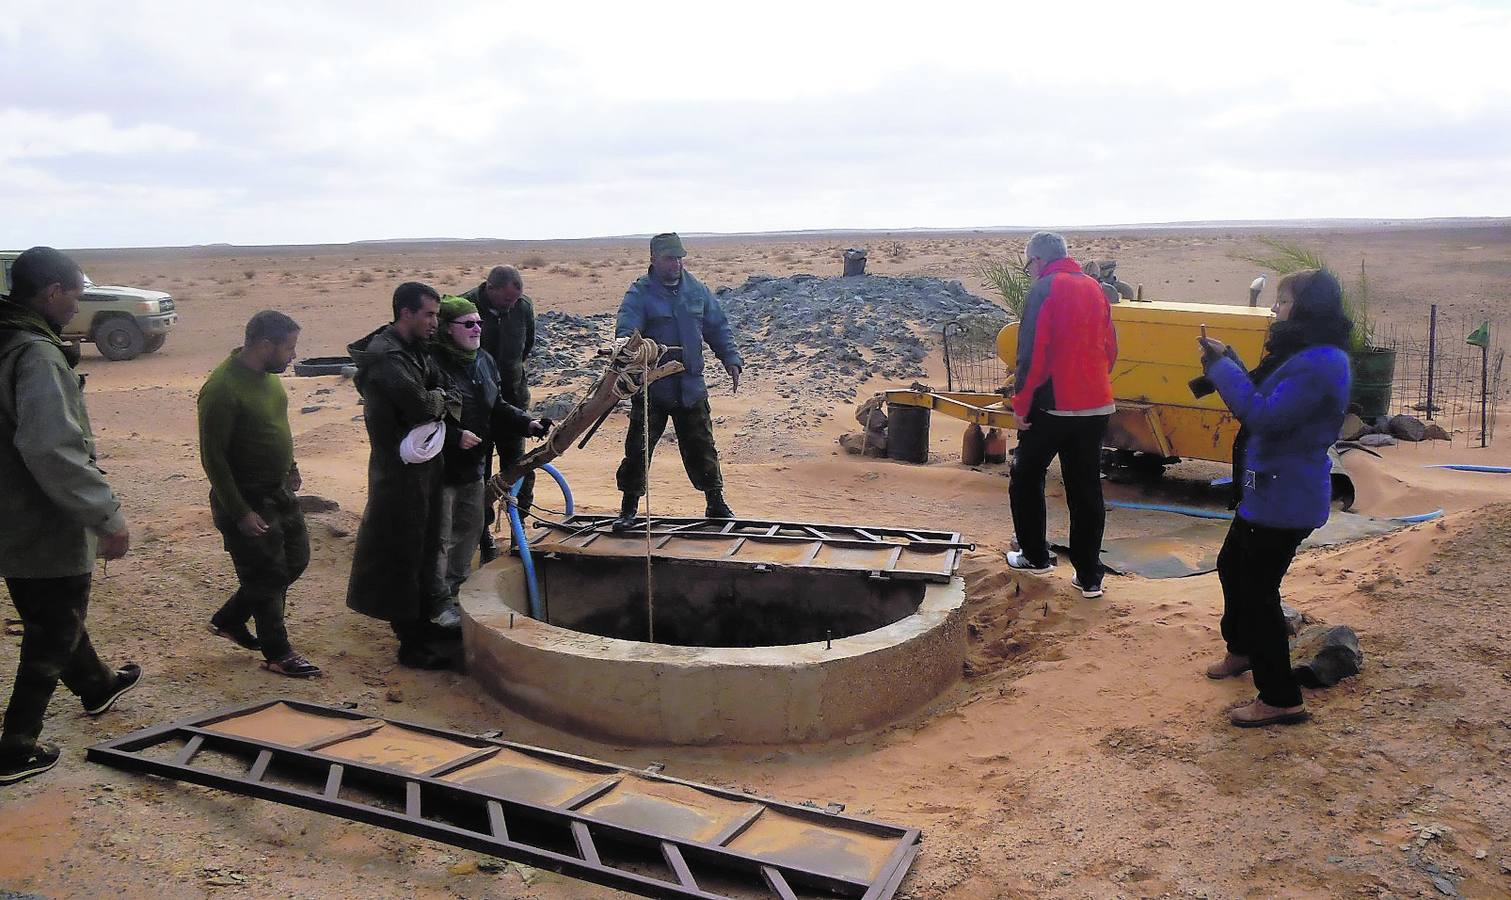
column 138, row 123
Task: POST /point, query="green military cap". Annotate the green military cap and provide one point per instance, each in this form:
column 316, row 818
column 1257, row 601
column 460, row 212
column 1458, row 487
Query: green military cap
column 453, row 308
column 667, row 244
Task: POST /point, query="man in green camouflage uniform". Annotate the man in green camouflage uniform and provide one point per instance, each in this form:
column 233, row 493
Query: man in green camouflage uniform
column 508, row 336
column 57, row 513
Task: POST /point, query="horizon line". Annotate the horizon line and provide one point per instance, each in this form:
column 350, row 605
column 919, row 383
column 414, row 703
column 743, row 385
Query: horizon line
column 1193, row 224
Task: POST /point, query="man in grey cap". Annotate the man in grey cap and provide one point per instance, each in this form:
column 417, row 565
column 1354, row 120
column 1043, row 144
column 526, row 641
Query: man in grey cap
column 509, row 337
column 669, row 306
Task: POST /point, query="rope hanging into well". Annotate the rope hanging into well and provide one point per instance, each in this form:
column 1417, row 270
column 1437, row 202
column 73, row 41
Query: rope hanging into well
column 645, row 444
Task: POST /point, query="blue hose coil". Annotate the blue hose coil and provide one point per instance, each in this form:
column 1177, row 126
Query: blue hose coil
column 517, row 528
column 1466, row 467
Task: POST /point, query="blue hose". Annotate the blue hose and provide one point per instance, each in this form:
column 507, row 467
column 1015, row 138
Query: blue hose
column 517, row 528
column 1465, row 467
column 1180, row 510
column 1217, row 514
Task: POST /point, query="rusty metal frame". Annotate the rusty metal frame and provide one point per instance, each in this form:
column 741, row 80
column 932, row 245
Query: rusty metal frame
column 765, row 531
column 431, row 807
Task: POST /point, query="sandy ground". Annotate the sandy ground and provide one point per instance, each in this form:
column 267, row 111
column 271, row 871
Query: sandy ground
column 1084, row 756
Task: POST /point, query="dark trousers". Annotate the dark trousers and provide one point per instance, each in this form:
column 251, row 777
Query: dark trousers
column 1252, row 563
column 1077, row 441
column 695, row 438
column 54, row 645
column 265, row 567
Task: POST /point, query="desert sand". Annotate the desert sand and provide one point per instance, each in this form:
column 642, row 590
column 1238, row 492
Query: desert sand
column 1084, row 755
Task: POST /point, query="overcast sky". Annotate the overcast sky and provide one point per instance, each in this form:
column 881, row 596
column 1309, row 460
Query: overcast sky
column 143, row 124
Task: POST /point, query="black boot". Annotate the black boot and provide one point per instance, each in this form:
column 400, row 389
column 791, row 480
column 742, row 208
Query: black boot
column 717, row 508
column 486, row 547
column 627, row 509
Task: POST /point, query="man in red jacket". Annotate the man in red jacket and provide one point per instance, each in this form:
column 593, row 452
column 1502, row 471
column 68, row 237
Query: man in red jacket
column 1063, row 399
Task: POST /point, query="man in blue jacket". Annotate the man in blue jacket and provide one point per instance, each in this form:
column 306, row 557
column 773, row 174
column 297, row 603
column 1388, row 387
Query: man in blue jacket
column 670, row 306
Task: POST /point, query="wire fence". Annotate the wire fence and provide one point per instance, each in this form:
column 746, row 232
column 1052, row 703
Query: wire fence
column 1444, row 380
column 970, row 354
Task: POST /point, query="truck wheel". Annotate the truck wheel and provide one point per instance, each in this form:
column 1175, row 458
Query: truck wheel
column 154, row 343
column 119, row 339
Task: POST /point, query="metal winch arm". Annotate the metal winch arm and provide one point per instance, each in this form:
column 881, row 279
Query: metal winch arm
column 635, row 362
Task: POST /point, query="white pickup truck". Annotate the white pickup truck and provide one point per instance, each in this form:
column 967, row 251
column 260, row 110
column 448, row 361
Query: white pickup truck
column 123, row 322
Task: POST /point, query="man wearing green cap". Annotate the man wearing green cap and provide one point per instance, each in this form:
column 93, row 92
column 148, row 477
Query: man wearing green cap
column 486, row 416
column 669, row 306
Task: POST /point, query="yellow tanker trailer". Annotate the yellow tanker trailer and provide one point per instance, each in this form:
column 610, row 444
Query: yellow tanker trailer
column 1157, row 418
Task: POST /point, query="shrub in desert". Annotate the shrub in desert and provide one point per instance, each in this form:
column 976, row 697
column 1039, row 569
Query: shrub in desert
column 1284, row 257
column 533, row 261
column 567, row 271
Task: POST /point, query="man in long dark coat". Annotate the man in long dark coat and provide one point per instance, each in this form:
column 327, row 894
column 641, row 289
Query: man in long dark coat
column 399, row 538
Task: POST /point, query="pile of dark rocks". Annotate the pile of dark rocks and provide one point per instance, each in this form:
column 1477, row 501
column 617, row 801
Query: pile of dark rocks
column 810, row 338
column 565, row 347
column 822, row 336
column 1385, row 431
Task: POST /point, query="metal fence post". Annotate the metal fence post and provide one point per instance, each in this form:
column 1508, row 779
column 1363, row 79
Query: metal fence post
column 1432, row 352
column 1485, row 395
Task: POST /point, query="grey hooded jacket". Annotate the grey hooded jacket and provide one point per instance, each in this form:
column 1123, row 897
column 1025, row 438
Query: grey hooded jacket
column 54, row 500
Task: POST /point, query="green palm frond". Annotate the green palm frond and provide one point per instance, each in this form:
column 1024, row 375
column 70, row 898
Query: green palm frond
column 1008, row 279
column 1284, row 258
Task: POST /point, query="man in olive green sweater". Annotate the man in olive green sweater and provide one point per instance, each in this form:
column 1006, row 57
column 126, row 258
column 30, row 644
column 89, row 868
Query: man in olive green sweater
column 57, row 513
column 248, row 454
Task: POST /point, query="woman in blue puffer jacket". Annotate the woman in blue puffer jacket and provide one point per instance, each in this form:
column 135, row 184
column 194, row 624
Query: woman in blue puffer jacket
column 1292, row 407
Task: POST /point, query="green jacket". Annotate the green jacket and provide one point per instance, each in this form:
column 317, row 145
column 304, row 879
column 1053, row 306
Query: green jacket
column 54, row 500
column 245, row 444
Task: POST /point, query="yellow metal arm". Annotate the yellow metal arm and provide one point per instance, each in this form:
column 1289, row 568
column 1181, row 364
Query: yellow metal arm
column 988, row 410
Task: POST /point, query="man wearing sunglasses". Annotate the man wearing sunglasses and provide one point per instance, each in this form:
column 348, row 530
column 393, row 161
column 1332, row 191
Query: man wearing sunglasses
column 486, row 417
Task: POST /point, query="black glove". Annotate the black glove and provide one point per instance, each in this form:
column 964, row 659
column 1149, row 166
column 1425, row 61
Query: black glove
column 1201, row 385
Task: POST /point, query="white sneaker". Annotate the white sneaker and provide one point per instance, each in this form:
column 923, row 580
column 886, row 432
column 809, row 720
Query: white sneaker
column 1016, row 560
column 1090, row 593
column 448, row 619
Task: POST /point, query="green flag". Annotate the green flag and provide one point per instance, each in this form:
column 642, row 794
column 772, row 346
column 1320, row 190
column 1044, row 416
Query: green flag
column 1480, row 337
